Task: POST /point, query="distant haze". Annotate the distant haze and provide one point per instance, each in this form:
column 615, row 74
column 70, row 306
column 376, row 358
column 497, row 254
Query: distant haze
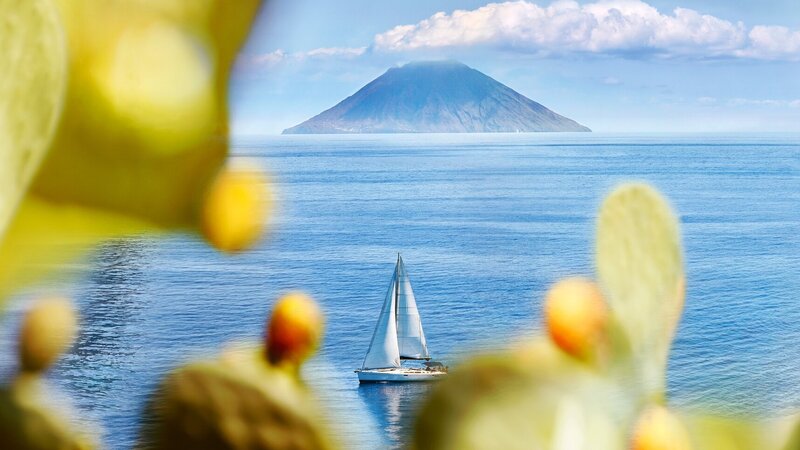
column 435, row 97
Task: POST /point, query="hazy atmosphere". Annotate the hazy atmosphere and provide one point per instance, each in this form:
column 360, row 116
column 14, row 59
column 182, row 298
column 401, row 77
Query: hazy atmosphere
column 428, row 225
column 611, row 65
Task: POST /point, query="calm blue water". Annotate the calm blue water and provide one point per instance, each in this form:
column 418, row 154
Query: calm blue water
column 485, row 223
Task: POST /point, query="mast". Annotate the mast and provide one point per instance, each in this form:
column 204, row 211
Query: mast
column 397, row 290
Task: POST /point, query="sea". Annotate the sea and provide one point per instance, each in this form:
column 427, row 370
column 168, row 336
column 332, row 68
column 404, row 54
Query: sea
column 485, row 223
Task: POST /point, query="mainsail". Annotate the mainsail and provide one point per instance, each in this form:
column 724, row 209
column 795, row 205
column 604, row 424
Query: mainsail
column 398, row 333
column 383, row 351
column 410, row 337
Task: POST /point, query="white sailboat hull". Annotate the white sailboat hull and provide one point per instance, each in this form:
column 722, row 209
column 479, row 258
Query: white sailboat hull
column 402, row 374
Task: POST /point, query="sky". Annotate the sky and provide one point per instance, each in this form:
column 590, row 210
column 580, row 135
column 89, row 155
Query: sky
column 612, row 65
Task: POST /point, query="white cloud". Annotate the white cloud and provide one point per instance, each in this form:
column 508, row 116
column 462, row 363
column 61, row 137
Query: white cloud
column 346, row 52
column 276, row 57
column 772, row 42
column 267, row 59
column 749, row 102
column 607, row 26
column 772, row 103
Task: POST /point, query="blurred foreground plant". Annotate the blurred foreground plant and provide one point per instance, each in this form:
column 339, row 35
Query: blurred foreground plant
column 246, row 398
column 114, row 120
column 598, row 380
column 26, row 422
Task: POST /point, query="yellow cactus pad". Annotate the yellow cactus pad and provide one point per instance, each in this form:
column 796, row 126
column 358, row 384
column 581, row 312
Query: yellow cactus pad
column 45, row 235
column 116, row 109
column 32, row 88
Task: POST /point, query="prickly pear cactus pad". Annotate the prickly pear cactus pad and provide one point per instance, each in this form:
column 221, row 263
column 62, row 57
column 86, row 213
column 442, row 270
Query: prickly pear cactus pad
column 530, row 397
column 239, row 402
column 27, row 424
column 32, row 90
column 248, row 398
column 640, row 268
column 114, row 120
column 596, row 380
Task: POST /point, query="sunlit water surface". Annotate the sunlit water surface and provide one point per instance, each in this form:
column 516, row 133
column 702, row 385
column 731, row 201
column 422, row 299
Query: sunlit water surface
column 485, row 223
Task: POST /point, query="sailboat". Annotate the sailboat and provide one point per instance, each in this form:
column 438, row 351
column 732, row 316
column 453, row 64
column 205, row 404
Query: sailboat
column 398, row 337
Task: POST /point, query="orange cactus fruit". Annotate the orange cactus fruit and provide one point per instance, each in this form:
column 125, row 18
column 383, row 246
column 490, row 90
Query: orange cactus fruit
column 48, row 329
column 234, row 211
column 659, row 429
column 294, row 330
column 576, row 316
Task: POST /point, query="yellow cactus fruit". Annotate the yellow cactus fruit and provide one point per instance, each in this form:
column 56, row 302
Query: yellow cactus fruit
column 659, row 429
column 294, row 330
column 48, row 329
column 234, row 209
column 576, row 316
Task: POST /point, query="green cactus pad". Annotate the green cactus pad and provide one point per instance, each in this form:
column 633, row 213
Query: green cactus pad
column 535, row 397
column 243, row 404
column 26, row 424
column 793, row 441
column 640, row 267
column 725, row 433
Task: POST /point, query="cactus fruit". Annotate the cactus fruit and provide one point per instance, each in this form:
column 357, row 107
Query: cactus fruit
column 576, row 316
column 242, row 400
column 26, row 423
column 294, row 329
column 48, row 329
column 234, row 209
column 659, row 429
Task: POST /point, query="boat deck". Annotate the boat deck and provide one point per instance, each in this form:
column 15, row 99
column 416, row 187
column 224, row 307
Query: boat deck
column 403, row 374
